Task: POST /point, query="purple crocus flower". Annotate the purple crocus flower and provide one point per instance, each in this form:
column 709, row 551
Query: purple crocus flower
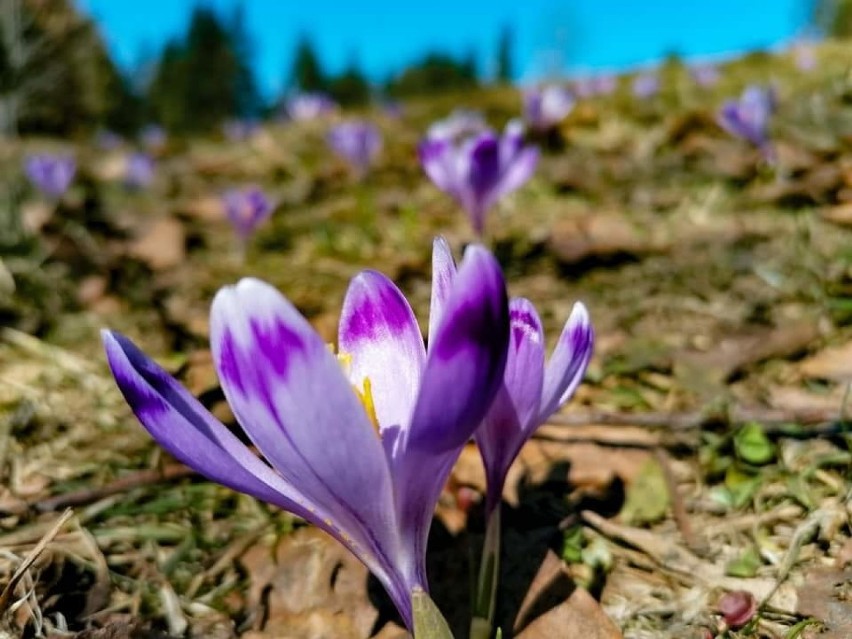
column 358, row 142
column 360, row 444
column 246, row 209
column 458, row 124
column 309, row 106
column 531, row 391
column 139, row 171
column 748, row 117
column 705, row 75
column 646, row 85
column 804, row 54
column 239, row 130
column 153, row 137
column 50, row 173
column 530, row 394
column 107, row 140
column 546, row 107
column 481, row 169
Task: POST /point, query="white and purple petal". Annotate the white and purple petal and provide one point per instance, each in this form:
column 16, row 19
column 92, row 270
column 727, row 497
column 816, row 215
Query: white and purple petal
column 379, row 332
column 568, row 363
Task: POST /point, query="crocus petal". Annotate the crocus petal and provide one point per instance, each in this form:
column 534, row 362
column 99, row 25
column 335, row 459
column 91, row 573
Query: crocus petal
column 443, row 273
column 514, row 413
column 568, row 363
column 182, row 426
column 289, row 394
column 379, row 332
column 465, row 362
column 519, row 170
column 436, row 156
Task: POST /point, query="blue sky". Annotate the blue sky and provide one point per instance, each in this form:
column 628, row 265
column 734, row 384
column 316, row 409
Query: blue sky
column 571, row 36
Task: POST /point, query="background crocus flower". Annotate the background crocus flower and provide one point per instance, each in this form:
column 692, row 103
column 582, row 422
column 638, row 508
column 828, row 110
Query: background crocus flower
column 458, row 124
column 532, row 391
column 748, row 117
column 239, row 130
column 303, row 107
column 358, row 142
column 480, row 170
column 804, row 55
column 153, row 137
column 646, row 85
column 246, row 209
column 546, row 107
column 361, row 454
column 139, row 171
column 107, row 140
column 705, row 75
column 50, row 173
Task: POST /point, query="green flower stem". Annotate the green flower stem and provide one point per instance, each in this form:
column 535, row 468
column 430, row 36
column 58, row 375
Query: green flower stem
column 482, row 623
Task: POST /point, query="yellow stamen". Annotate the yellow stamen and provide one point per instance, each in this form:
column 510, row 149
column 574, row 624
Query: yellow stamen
column 366, row 397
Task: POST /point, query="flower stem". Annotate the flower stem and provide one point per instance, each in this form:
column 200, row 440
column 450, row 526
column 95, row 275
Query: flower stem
column 482, row 622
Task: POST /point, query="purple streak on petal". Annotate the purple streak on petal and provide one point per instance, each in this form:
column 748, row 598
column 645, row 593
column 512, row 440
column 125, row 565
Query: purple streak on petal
column 443, row 274
column 514, row 414
column 379, row 332
column 567, row 365
column 465, row 362
column 181, row 425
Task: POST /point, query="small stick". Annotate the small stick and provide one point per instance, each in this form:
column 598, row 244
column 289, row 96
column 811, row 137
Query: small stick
column 825, row 421
column 128, row 482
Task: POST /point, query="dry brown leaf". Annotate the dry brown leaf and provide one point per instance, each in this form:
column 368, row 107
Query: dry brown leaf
column 316, row 589
column 161, row 245
column 827, row 595
column 840, row 214
column 602, row 236
column 555, row 607
column 833, row 363
column 733, row 354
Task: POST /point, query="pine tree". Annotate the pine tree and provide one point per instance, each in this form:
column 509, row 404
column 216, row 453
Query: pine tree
column 504, row 55
column 307, row 73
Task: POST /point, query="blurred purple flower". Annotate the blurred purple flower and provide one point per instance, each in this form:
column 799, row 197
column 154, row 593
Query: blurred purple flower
column 458, row 124
column 246, row 209
column 531, row 391
column 646, row 85
column 50, row 173
column 480, row 170
column 546, row 107
column 139, row 171
column 360, row 444
column 239, row 130
column 705, row 75
column 748, row 117
column 358, row 142
column 604, row 84
column 107, row 140
column 804, row 54
column 153, row 137
column 303, row 107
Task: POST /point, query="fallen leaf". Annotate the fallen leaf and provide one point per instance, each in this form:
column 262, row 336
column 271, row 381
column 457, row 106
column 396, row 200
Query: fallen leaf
column 161, row 245
column 834, row 362
column 316, row 589
column 600, row 236
column 827, row 595
column 555, row 607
